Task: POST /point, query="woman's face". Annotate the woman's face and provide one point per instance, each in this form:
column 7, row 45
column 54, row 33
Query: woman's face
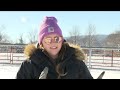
column 52, row 44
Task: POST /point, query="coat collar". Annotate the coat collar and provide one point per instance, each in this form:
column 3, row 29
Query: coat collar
column 67, row 50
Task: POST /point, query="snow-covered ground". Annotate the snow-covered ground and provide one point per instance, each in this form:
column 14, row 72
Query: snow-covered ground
column 9, row 71
column 109, row 74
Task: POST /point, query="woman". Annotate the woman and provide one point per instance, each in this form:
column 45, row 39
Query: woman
column 61, row 59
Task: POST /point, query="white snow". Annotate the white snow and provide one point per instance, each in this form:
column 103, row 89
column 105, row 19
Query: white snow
column 109, row 74
column 9, row 71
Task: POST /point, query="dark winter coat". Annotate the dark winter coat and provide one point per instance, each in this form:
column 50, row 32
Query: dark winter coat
column 69, row 65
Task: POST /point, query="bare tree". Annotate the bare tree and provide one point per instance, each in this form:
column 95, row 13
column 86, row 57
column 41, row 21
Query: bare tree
column 90, row 39
column 74, row 36
column 3, row 37
column 85, row 41
column 21, row 41
column 32, row 36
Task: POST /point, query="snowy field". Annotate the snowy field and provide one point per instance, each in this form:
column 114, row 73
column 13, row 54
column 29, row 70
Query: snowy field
column 109, row 74
column 8, row 71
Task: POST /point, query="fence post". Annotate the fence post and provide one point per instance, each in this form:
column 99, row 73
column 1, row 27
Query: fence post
column 10, row 53
column 90, row 53
column 112, row 59
column 103, row 55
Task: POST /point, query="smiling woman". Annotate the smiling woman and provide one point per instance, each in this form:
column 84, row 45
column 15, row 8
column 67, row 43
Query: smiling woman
column 53, row 58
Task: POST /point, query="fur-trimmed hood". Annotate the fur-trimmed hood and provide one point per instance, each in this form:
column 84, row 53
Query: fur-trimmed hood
column 75, row 49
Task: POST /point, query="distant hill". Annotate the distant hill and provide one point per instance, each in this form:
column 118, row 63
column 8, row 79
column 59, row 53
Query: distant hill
column 101, row 37
column 99, row 43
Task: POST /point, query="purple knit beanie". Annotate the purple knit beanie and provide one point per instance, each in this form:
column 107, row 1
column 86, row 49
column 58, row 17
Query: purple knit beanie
column 48, row 26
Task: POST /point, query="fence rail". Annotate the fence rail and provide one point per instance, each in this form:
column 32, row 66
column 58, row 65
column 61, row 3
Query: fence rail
column 103, row 58
column 11, row 53
column 96, row 57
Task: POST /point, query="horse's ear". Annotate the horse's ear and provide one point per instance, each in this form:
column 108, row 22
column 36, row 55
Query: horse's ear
column 44, row 73
column 37, row 45
column 101, row 75
column 64, row 40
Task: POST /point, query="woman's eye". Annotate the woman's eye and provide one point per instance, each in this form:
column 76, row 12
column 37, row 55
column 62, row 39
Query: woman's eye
column 48, row 40
column 56, row 39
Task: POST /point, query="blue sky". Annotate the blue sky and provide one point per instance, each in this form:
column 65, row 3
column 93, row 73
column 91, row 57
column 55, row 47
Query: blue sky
column 14, row 23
